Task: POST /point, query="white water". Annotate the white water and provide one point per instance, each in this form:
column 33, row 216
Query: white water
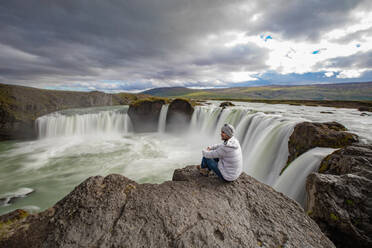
column 162, row 118
column 293, row 180
column 78, row 123
column 76, row 144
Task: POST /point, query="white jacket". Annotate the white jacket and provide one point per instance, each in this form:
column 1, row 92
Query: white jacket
column 230, row 158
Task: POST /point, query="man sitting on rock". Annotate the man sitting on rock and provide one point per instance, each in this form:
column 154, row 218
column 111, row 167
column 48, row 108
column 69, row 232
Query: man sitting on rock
column 224, row 159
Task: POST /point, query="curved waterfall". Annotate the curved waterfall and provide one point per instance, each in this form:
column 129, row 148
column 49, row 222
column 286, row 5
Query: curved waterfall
column 264, row 141
column 81, row 123
column 263, row 138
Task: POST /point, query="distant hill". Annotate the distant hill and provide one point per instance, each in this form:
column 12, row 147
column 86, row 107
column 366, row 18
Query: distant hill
column 169, row 91
column 340, row 91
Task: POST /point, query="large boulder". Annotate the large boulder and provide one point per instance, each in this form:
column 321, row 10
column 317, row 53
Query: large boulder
column 307, row 135
column 226, row 104
column 144, row 114
column 190, row 211
column 179, row 115
column 340, row 199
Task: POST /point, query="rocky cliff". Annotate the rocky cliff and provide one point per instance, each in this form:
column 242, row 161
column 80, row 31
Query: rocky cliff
column 20, row 106
column 190, row 211
column 340, row 196
column 145, row 114
column 307, row 135
column 179, row 115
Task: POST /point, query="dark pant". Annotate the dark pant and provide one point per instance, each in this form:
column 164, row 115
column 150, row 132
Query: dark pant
column 212, row 164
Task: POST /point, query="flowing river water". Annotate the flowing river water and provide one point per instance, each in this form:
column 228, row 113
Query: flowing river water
column 78, row 143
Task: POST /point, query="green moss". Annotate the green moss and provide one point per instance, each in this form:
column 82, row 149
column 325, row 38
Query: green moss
column 309, row 212
column 6, row 227
column 324, row 166
column 349, row 202
column 334, row 217
column 149, row 99
column 191, row 102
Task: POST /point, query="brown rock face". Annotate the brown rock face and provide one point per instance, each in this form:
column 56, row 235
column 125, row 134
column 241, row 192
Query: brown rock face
column 190, row 211
column 226, row 104
column 179, row 115
column 340, row 200
column 368, row 109
column 145, row 115
column 307, row 135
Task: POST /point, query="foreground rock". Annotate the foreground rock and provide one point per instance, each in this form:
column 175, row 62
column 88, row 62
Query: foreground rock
column 145, row 114
column 329, row 134
column 340, row 200
column 179, row 115
column 20, row 106
column 190, row 211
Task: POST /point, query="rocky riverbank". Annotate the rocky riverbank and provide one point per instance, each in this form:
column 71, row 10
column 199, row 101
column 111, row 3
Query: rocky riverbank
column 340, row 196
column 189, row 211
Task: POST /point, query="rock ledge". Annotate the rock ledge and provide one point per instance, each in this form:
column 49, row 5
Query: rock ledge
column 190, row 211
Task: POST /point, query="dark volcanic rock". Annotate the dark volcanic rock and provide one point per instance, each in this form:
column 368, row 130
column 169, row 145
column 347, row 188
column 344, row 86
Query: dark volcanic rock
column 179, row 115
column 363, row 108
column 20, row 106
column 144, row 114
column 226, row 104
column 190, row 211
column 340, row 200
column 307, row 135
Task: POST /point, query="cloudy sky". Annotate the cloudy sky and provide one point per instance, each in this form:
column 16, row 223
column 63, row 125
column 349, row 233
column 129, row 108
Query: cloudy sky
column 121, row 45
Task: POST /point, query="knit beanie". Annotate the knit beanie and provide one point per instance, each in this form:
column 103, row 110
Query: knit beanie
column 228, row 130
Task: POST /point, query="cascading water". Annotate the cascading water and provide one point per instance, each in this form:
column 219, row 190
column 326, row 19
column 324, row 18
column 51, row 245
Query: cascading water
column 162, row 118
column 264, row 141
column 79, row 123
column 299, row 169
column 75, row 144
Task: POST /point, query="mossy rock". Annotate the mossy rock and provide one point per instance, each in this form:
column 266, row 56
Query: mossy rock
column 308, row 135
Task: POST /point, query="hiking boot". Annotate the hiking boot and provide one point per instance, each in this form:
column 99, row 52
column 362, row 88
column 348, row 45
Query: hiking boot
column 203, row 171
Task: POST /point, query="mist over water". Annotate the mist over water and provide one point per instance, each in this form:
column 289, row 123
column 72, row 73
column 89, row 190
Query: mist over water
column 76, row 144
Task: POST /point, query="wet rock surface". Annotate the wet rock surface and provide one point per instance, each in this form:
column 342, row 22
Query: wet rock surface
column 226, row 104
column 190, row 211
column 340, row 197
column 145, row 115
column 179, row 115
column 307, row 135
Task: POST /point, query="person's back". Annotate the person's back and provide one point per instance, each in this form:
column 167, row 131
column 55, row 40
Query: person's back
column 231, row 161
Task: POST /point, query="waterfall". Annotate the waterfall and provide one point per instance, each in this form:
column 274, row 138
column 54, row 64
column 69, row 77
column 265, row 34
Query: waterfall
column 72, row 123
column 163, row 118
column 264, row 141
column 293, row 180
column 263, row 138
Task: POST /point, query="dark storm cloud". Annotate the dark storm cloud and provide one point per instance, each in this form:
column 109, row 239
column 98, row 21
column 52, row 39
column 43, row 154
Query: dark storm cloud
column 129, row 37
column 359, row 60
column 299, row 19
column 249, row 56
column 73, row 41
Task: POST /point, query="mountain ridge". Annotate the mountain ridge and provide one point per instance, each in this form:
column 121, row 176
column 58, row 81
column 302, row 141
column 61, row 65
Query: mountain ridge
column 355, row 91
